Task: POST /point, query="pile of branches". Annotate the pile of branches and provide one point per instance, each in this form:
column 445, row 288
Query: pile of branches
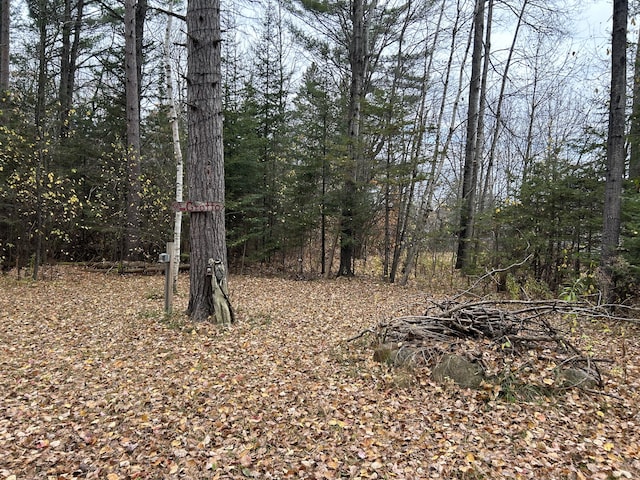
column 500, row 327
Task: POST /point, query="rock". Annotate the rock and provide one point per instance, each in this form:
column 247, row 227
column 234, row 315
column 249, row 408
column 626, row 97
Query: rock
column 393, row 354
column 575, row 377
column 463, row 372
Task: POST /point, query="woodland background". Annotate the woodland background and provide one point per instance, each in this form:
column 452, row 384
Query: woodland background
column 539, row 166
column 102, row 383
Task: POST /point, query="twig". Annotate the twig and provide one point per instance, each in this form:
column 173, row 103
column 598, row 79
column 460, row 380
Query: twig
column 361, row 334
column 492, row 272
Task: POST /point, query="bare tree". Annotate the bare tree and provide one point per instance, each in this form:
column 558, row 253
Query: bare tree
column 205, row 165
column 442, row 147
column 498, row 109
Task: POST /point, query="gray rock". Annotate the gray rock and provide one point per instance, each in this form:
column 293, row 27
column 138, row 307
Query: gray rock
column 463, row 372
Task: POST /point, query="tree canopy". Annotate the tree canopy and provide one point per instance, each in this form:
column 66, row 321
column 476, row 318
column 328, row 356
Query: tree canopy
column 345, row 132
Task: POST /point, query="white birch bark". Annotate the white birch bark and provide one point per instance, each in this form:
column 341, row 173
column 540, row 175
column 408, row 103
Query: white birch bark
column 177, row 153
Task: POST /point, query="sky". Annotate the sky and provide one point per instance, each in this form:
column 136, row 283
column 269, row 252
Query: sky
column 595, row 26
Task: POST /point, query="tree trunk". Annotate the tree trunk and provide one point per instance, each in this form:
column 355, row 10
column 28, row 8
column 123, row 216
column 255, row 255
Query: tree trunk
column 439, row 153
column 634, row 129
column 68, row 62
column 42, row 17
column 205, row 165
column 416, row 156
column 498, row 120
column 132, row 228
column 5, row 24
column 141, row 7
column 411, row 156
column 480, row 140
column 469, row 178
column 615, row 145
column 358, row 52
column 177, row 154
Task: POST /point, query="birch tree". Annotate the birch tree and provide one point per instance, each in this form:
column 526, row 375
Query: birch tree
column 177, row 151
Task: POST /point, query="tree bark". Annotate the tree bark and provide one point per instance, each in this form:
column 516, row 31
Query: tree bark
column 177, row 154
column 68, row 62
column 5, row 24
column 132, row 227
column 634, row 129
column 615, row 145
column 469, row 178
column 205, row 165
column 358, row 59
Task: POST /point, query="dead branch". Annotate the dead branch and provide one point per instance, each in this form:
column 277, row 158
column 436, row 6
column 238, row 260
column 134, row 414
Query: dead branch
column 501, row 327
column 491, row 274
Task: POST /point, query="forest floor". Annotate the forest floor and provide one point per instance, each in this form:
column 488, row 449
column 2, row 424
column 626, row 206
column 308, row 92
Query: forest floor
column 95, row 382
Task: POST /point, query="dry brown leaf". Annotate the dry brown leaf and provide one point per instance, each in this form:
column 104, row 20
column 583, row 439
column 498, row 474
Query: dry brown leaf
column 97, row 380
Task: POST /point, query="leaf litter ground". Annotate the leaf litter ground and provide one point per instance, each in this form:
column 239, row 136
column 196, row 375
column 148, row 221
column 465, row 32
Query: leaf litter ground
column 97, row 383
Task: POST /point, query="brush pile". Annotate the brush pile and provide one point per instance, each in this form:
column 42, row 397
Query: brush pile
column 487, row 341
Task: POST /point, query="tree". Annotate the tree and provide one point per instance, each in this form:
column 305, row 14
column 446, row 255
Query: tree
column 310, row 188
column 71, row 29
column 615, row 145
column 205, row 165
column 270, row 78
column 634, row 127
column 5, row 23
column 359, row 65
column 470, row 175
column 177, row 154
column 42, row 13
column 132, row 230
column 416, row 232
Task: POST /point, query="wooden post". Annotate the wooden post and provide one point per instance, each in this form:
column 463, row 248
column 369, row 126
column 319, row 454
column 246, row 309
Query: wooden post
column 168, row 279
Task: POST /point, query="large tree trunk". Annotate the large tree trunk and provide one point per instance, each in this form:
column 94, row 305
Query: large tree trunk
column 5, row 23
column 470, row 174
column 132, row 228
column 358, row 51
column 205, row 166
column 615, row 145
